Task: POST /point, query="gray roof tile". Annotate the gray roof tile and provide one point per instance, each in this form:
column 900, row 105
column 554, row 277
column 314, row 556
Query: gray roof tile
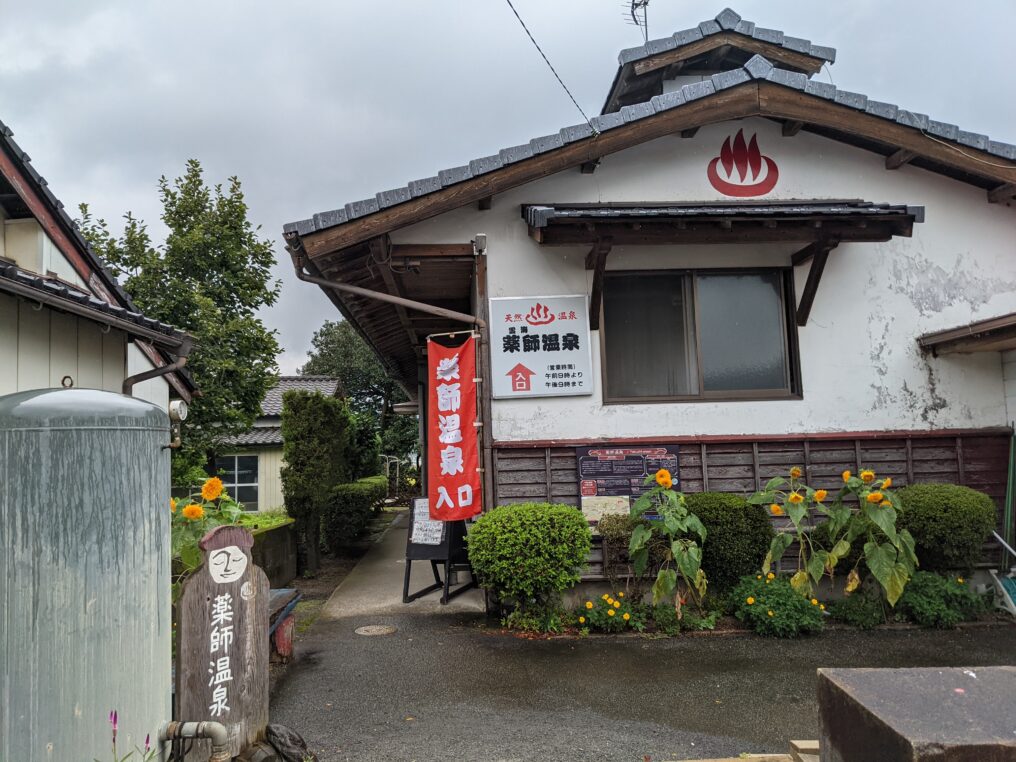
column 681, row 38
column 485, row 165
column 361, row 208
column 516, row 153
column 697, row 90
column 973, row 139
column 747, row 28
column 661, row 45
column 726, row 79
column 797, row 44
column 454, row 175
column 637, row 111
column 260, row 436
column 392, row 197
column 1002, row 149
column 709, row 27
column 912, row 119
column 271, row 405
column 727, row 19
column 821, row 89
column 546, row 143
column 943, row 129
column 667, row 101
column 775, row 36
column 793, row 79
column 576, row 132
column 758, row 67
column 854, row 100
column 605, row 122
column 422, row 187
column 884, row 110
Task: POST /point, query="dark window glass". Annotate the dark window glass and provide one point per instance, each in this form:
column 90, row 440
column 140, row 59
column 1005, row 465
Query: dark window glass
column 239, row 474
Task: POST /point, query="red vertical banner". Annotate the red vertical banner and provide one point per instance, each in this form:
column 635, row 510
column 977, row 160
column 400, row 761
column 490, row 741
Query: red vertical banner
column 453, row 457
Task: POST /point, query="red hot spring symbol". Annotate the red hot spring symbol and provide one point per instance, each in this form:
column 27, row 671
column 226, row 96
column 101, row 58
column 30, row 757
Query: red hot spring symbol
column 739, row 171
column 539, row 314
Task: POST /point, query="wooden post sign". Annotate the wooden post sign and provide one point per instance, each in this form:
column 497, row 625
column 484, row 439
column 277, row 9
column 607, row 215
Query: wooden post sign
column 222, row 657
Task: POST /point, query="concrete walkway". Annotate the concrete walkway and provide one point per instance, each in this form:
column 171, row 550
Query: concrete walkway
column 448, row 686
column 374, row 586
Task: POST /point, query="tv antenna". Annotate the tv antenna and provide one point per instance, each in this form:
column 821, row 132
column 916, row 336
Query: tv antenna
column 637, row 14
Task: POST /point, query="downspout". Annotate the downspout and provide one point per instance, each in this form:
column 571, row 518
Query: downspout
column 214, row 731
column 164, row 370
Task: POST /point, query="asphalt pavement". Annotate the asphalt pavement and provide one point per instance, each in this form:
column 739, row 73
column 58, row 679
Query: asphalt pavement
column 448, row 685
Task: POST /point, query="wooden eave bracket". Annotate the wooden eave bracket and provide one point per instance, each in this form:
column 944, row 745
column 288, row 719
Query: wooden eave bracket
column 588, row 167
column 818, row 253
column 596, row 260
column 1002, row 193
column 791, row 127
column 898, row 158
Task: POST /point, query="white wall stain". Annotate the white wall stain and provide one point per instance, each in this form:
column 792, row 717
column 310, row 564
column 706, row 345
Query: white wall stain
column 931, row 288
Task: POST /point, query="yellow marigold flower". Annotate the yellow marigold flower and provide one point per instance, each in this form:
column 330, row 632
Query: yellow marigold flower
column 887, row 482
column 795, row 498
column 821, row 606
column 795, row 473
column 770, row 612
column 620, row 594
column 758, row 576
column 750, row 600
column 874, row 497
column 611, row 612
column 663, row 475
column 959, row 580
column 867, row 476
column 776, row 510
column 172, row 505
column 605, row 597
column 626, row 616
column 885, row 504
column 814, row 601
column 212, row 488
column 582, row 620
column 193, row 512
column 846, row 476
column 770, row 575
column 589, row 604
column 820, row 495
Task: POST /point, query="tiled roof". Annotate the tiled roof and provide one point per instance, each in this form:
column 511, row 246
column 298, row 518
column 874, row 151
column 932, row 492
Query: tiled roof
column 63, row 296
column 756, row 69
column 726, row 21
column 259, row 436
column 539, row 215
column 272, row 403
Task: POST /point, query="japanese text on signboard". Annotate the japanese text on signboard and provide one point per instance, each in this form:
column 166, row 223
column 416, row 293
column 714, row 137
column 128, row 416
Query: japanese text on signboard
column 453, row 475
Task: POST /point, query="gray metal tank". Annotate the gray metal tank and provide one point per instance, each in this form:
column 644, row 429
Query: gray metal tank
column 84, row 574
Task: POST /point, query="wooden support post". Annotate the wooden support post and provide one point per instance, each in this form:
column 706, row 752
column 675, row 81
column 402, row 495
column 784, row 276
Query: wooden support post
column 899, row 158
column 596, row 260
column 791, row 128
column 485, row 203
column 821, row 254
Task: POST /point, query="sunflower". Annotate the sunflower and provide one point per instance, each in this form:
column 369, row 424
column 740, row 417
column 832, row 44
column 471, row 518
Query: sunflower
column 663, row 478
column 846, row 476
column 887, row 482
column 874, row 497
column 172, row 505
column 867, row 476
column 212, row 488
column 776, row 509
column 194, row 512
column 795, row 498
column 820, row 495
column 795, row 473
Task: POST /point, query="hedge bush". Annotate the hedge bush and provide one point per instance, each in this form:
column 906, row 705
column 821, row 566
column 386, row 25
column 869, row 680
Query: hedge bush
column 949, row 523
column 529, row 553
column 772, row 607
column 737, row 536
column 349, row 508
column 861, row 609
column 934, row 600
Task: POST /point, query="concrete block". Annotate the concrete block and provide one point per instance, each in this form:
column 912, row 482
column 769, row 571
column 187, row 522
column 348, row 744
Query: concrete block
column 947, row 714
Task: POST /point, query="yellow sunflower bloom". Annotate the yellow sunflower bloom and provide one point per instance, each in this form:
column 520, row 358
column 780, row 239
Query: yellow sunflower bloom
column 867, row 476
column 885, row 504
column 887, row 482
column 874, row 497
column 795, row 473
column 795, row 498
column 663, row 478
column 820, row 495
column 212, row 488
column 172, row 505
column 776, row 510
column 846, row 476
column 193, row 512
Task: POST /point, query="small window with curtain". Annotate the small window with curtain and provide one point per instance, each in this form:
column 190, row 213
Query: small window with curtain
column 689, row 335
column 239, row 474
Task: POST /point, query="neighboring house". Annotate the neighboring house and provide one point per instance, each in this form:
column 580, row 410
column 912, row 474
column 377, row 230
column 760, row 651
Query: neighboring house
column 760, row 270
column 64, row 320
column 251, row 469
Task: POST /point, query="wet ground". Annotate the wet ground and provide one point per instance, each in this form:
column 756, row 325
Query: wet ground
column 443, row 689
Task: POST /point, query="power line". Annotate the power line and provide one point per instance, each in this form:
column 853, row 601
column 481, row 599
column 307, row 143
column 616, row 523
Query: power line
column 550, row 65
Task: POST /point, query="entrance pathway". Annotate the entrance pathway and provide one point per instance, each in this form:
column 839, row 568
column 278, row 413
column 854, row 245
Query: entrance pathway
column 446, row 686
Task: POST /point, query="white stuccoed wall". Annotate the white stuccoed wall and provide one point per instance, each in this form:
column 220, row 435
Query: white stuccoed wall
column 860, row 363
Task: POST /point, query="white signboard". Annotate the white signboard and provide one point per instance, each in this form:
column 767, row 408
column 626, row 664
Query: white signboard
column 426, row 531
column 539, row 346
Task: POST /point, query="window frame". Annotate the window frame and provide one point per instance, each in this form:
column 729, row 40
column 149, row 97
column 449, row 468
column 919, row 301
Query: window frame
column 788, row 318
column 226, row 485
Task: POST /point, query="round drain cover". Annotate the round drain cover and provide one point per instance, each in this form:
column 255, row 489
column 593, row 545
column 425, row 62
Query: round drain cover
column 376, row 629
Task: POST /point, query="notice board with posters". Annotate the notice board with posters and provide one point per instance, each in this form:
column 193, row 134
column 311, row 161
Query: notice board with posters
column 612, row 478
column 539, row 346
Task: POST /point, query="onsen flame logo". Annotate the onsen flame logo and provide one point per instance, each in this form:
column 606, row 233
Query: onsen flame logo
column 539, row 314
column 742, row 166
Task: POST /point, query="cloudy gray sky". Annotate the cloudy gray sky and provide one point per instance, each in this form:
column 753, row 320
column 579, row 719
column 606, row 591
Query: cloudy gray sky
column 313, row 104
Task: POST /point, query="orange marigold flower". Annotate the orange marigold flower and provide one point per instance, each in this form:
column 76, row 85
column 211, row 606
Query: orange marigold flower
column 750, row 600
column 193, row 512
column 874, row 497
column 846, row 476
column 795, row 473
column 611, row 612
column 776, row 510
column 867, row 476
column 212, row 488
column 663, row 478
column 814, row 601
column 172, row 505
column 626, row 616
column 795, row 498
column 820, row 495
column 887, row 482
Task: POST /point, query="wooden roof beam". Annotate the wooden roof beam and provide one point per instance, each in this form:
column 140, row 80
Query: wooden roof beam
column 707, row 45
column 791, row 127
column 819, row 256
column 898, row 158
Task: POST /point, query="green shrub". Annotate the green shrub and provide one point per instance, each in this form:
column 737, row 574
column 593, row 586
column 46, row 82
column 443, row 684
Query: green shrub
column 862, row 610
column 949, row 523
column 772, row 607
column 549, row 618
column 934, row 600
column 530, row 552
column 349, row 509
column 737, row 536
column 665, row 620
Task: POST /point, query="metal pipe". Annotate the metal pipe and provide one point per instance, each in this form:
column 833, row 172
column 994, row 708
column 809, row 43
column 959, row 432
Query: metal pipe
column 214, row 731
column 164, row 370
column 381, row 296
column 1004, row 544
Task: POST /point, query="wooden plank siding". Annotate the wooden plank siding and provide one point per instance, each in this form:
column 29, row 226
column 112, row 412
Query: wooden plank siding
column 977, row 459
